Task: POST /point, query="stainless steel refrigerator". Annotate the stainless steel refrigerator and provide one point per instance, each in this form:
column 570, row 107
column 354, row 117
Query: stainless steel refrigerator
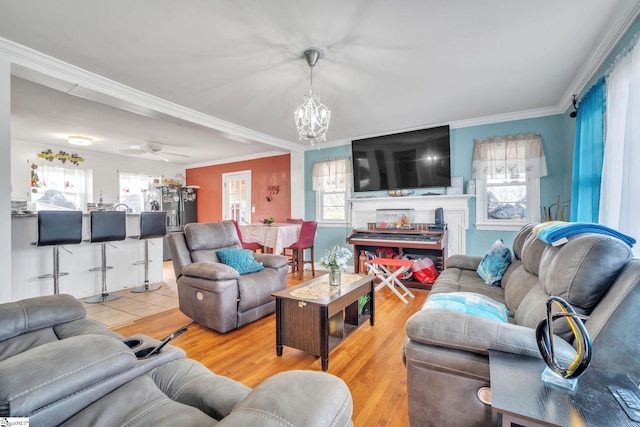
column 180, row 205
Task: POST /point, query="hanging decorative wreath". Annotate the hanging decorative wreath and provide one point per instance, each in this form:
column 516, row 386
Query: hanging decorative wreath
column 63, row 156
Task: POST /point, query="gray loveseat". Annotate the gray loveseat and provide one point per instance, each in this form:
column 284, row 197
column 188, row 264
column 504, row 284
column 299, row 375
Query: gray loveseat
column 59, row 368
column 214, row 294
column 446, row 352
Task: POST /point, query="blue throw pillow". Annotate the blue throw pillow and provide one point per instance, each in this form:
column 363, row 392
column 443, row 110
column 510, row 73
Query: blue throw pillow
column 240, row 259
column 495, row 263
column 468, row 303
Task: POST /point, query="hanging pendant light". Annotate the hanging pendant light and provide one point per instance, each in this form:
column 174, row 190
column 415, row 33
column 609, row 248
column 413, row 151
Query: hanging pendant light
column 312, row 117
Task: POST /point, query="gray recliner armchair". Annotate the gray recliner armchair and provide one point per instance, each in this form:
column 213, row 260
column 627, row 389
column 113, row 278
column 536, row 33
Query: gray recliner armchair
column 217, row 295
column 59, row 368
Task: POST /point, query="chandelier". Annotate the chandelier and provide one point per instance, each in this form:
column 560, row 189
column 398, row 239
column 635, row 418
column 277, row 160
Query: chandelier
column 312, row 116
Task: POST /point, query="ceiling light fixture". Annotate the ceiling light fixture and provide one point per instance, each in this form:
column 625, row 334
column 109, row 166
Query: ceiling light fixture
column 312, row 117
column 79, row 140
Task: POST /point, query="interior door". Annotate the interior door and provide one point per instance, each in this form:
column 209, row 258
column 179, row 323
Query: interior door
column 236, row 199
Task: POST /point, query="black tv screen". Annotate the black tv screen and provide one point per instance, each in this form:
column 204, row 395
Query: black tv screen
column 415, row 159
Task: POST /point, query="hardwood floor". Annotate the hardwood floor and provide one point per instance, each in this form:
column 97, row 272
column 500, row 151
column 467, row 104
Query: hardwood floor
column 369, row 360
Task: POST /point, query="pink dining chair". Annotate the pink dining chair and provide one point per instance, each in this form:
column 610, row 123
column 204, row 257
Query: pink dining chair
column 295, row 220
column 306, row 240
column 245, row 245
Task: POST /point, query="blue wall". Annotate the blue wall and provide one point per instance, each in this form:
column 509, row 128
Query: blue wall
column 551, row 129
column 557, row 132
column 326, row 236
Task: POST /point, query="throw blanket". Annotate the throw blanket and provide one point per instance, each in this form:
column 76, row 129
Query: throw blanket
column 556, row 233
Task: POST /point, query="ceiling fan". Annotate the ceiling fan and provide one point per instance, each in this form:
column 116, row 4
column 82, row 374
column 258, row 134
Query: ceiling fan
column 152, row 148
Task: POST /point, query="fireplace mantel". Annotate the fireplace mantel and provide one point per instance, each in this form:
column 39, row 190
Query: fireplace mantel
column 455, row 207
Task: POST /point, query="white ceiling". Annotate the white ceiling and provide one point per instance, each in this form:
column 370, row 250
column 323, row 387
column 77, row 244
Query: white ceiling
column 219, row 80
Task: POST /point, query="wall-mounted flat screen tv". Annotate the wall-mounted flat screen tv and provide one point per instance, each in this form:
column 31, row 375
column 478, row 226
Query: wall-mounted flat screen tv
column 415, row 159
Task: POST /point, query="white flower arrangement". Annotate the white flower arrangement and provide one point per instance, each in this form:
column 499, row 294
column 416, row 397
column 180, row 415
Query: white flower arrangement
column 336, row 258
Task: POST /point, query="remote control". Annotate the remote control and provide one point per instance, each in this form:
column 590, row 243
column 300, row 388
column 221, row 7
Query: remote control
column 144, row 353
column 629, row 401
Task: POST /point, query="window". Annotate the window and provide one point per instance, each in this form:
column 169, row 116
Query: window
column 132, row 186
column 507, row 172
column 236, row 196
column 332, row 205
column 332, row 183
column 59, row 188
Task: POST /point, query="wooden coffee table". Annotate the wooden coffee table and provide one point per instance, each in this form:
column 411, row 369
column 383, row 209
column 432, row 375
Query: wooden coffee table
column 314, row 317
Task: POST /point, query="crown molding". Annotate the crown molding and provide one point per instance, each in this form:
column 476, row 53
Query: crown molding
column 618, row 27
column 49, row 71
column 228, row 160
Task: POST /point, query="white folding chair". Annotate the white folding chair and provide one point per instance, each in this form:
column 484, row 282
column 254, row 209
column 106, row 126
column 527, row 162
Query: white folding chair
column 381, row 267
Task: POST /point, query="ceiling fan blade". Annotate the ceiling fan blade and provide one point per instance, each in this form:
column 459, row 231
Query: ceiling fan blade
column 173, row 154
column 157, row 154
column 132, row 151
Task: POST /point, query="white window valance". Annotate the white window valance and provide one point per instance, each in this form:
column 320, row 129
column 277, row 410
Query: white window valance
column 332, row 174
column 509, row 157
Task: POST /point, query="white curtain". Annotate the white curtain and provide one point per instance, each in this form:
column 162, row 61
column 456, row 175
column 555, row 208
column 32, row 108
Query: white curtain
column 619, row 197
column 332, row 174
column 509, row 157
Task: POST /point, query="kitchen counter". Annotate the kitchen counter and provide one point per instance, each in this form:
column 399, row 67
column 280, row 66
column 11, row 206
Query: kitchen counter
column 29, row 262
column 35, row 214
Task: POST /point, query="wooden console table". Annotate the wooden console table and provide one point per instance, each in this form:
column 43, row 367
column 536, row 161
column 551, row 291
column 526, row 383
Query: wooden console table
column 315, row 317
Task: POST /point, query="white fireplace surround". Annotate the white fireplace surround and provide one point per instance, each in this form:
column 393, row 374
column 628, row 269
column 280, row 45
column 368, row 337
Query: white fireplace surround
column 455, row 208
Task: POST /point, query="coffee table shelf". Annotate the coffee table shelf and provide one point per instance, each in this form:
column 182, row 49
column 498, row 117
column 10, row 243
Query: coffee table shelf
column 318, row 325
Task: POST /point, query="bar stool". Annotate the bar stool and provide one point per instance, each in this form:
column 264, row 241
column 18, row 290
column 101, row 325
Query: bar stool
column 106, row 226
column 57, row 228
column 153, row 225
column 306, row 240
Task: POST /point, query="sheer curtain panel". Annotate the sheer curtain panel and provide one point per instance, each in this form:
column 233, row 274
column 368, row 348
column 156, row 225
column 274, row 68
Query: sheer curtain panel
column 332, row 174
column 509, row 157
column 619, row 201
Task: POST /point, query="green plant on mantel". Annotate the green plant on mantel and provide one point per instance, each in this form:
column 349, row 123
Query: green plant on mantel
column 555, row 212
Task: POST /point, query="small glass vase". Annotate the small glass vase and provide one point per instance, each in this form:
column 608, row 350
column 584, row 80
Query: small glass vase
column 334, row 277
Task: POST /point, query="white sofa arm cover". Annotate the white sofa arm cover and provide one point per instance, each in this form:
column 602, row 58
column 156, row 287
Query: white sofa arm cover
column 51, row 372
column 476, row 334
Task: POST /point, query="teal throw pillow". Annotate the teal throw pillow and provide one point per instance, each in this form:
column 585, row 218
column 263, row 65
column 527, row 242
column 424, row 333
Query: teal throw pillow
column 468, row 303
column 240, row 259
column 495, row 263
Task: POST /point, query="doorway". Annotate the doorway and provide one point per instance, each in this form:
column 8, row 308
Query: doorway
column 236, row 196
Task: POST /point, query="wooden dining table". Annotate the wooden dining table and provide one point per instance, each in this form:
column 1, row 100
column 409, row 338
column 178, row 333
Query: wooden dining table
column 274, row 237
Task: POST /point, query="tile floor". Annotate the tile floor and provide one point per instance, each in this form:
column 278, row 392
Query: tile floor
column 133, row 306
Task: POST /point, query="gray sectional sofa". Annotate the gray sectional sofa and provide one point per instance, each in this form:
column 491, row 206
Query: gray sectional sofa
column 447, row 352
column 59, row 368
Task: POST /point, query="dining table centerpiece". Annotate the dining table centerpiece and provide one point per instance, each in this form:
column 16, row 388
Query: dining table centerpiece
column 334, row 259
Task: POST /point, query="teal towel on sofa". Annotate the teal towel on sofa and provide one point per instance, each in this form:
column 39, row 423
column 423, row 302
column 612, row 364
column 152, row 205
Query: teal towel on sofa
column 469, row 303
